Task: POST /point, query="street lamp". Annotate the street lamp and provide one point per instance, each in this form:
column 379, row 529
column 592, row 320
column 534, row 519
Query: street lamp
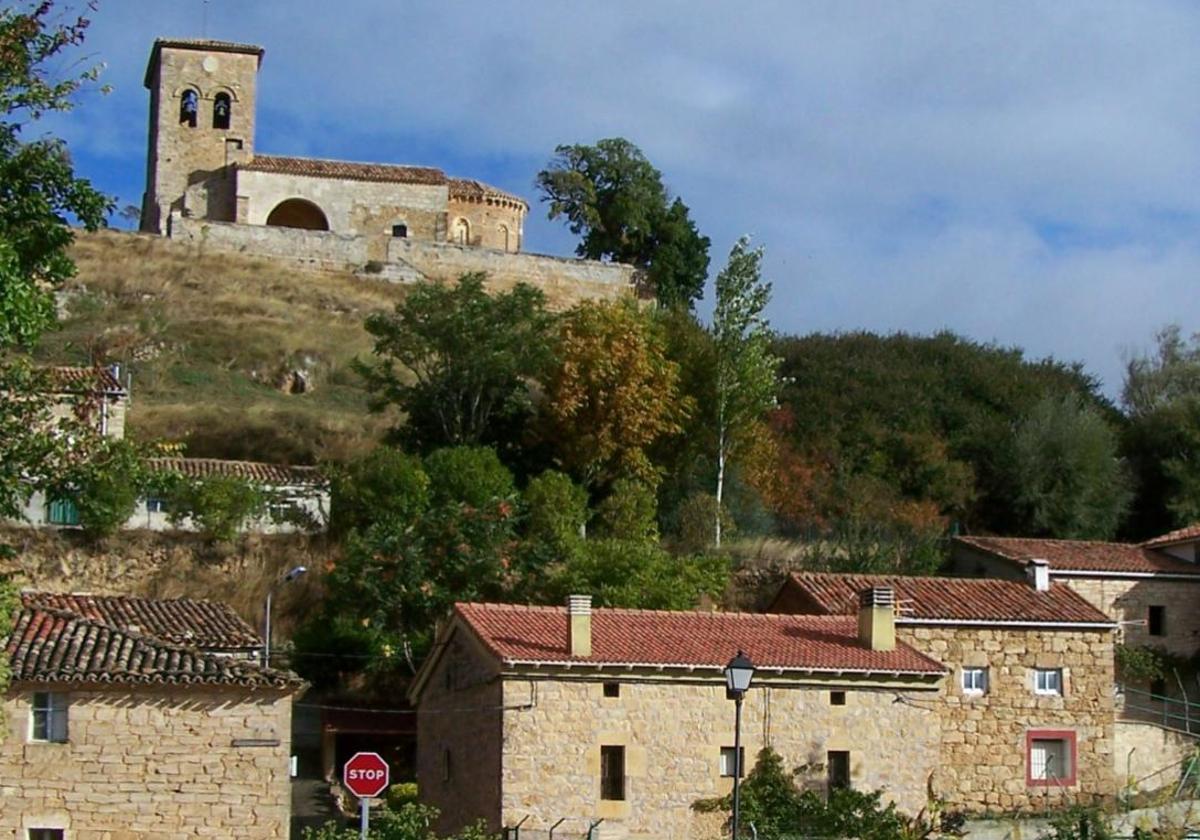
column 738, row 674
column 288, row 578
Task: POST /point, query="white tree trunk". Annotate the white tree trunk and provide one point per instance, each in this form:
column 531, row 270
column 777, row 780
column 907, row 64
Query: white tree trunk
column 720, row 485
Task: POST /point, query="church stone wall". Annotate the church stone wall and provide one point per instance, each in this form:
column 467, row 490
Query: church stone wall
column 500, row 226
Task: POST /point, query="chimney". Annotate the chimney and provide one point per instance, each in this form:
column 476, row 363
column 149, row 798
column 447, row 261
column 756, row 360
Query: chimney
column 877, row 618
column 1038, row 572
column 579, row 625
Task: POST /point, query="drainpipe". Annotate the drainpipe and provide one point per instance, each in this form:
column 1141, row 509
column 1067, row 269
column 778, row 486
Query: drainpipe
column 550, row 836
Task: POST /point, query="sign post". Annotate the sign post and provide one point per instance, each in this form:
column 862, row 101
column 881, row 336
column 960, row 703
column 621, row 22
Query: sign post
column 366, row 776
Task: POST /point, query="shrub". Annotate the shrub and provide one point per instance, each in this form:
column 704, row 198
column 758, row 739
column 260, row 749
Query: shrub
column 218, row 506
column 628, row 512
column 471, row 475
column 105, row 487
column 557, row 509
column 384, row 485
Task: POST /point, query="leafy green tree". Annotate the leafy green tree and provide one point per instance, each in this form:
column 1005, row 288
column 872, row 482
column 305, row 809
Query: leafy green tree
column 219, row 506
column 457, row 361
column 747, row 372
column 615, row 200
column 1070, row 482
column 612, row 393
column 383, row 485
column 105, row 486
column 556, row 510
column 471, row 475
column 639, row 574
column 1161, row 396
column 628, row 512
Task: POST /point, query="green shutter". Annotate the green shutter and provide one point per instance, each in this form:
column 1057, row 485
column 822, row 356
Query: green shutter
column 63, row 512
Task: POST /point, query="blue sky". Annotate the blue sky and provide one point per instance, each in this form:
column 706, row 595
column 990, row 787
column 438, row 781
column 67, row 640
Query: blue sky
column 1024, row 173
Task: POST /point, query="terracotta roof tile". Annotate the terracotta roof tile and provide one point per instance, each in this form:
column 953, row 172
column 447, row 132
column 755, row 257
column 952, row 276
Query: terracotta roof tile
column 206, row 625
column 947, row 599
column 1189, row 534
column 84, row 380
column 1081, row 555
column 345, row 170
column 267, row 474
column 468, row 189
column 54, row 646
column 520, row 634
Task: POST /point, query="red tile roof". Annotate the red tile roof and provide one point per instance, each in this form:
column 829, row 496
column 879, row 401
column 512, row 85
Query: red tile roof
column 53, row 646
column 948, row 599
column 207, row 625
column 84, row 380
column 1189, row 534
column 1081, row 555
column 468, row 189
column 345, row 170
column 520, row 634
column 268, row 474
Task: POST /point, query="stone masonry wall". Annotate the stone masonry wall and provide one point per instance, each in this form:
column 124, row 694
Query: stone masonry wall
column 459, row 739
column 150, row 764
column 319, row 249
column 1129, row 601
column 983, row 737
column 493, row 225
column 673, row 732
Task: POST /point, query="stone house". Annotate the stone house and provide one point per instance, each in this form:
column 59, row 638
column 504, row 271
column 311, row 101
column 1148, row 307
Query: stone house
column 92, row 395
column 1026, row 718
column 202, row 164
column 115, row 732
column 615, row 722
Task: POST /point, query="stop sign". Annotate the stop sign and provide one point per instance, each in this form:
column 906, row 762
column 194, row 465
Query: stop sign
column 365, row 775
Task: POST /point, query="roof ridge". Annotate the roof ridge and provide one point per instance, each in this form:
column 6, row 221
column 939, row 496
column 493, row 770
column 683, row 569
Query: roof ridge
column 269, row 156
column 501, row 606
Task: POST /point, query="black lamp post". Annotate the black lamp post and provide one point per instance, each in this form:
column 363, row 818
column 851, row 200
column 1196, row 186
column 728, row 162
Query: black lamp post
column 738, row 674
column 288, row 578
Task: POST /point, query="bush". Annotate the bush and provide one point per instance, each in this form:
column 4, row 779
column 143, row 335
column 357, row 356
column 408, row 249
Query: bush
column 557, row 509
column 218, row 506
column 106, row 487
column 410, row 821
column 630, row 573
column 628, row 512
column 697, row 518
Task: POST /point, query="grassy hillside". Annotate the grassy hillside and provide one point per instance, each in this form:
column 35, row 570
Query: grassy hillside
column 212, row 341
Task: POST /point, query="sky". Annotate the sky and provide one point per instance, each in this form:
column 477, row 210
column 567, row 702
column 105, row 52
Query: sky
column 1019, row 173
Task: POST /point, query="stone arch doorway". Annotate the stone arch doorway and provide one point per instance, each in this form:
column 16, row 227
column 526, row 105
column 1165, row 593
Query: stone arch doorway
column 298, row 213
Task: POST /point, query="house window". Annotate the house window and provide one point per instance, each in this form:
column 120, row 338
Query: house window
column 612, row 773
column 48, row 721
column 45, row 834
column 400, row 231
column 222, row 110
column 1157, row 621
column 1050, row 758
column 1158, row 689
column 189, row 107
column 1048, row 681
column 157, row 504
column 612, row 689
column 727, row 757
column 837, row 763
column 62, row 512
column 837, row 698
column 462, row 232
column 974, row 680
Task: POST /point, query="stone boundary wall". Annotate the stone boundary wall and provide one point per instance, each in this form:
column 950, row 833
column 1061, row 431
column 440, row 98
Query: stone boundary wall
column 409, row 260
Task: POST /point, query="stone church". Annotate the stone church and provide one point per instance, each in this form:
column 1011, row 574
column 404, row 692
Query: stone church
column 202, row 165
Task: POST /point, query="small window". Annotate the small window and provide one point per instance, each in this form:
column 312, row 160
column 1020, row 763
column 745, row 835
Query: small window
column 1158, row 689
column 189, row 108
column 974, row 680
column 612, row 689
column 222, row 110
column 1048, row 681
column 462, row 232
column 157, row 504
column 1051, row 758
column 837, row 698
column 45, row 834
column 838, row 766
column 727, row 768
column 400, row 231
column 1157, row 621
column 62, row 512
column 447, row 768
column 49, row 717
column 612, row 773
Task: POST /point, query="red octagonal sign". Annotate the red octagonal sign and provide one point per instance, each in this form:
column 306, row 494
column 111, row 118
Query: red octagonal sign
column 365, row 775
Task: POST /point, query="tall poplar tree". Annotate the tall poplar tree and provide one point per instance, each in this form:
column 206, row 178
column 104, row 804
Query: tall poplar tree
column 747, row 371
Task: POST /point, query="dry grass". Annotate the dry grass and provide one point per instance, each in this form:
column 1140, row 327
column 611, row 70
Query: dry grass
column 208, row 337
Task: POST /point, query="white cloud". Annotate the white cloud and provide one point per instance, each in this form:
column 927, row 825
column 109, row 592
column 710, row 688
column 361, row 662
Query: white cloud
column 1023, row 172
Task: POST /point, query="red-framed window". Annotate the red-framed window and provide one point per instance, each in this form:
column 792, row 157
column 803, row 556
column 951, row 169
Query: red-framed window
column 1050, row 758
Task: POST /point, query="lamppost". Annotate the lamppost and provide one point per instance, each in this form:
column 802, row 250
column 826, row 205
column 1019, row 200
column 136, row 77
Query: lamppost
column 288, row 578
column 738, row 674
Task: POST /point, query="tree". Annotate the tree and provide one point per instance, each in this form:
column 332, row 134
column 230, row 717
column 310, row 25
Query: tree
column 615, row 199
column 105, row 486
column 612, row 393
column 1070, row 482
column 385, row 484
column 219, row 506
column 457, row 361
column 638, row 573
column 746, row 369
